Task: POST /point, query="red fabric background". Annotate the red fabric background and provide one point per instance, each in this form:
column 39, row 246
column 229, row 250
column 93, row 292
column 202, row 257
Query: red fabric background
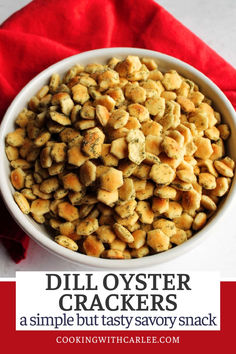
column 45, row 32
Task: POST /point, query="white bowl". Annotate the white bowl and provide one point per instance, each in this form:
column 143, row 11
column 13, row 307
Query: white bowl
column 38, row 232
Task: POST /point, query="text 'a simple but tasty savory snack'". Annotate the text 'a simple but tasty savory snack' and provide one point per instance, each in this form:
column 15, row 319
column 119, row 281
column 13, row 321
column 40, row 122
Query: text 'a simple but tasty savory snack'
column 119, row 160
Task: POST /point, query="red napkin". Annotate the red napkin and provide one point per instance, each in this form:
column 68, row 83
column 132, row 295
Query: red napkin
column 45, row 32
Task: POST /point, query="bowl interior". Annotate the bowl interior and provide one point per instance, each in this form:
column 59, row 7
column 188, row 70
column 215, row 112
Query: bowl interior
column 38, row 232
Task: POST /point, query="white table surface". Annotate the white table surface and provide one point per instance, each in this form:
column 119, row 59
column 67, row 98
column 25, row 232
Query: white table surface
column 214, row 22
